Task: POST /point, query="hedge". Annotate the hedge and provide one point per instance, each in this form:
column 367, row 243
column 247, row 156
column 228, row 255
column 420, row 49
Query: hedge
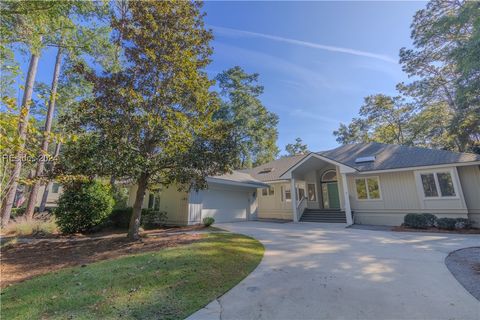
column 446, row 223
column 415, row 220
column 120, row 218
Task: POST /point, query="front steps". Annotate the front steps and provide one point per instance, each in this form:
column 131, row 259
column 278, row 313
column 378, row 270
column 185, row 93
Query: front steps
column 324, row 215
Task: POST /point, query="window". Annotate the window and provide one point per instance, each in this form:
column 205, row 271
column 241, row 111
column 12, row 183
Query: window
column 437, row 184
column 300, row 193
column 312, row 194
column 330, row 175
column 153, row 201
column 55, row 188
column 288, row 194
column 281, row 193
column 270, row 191
column 446, row 184
column 429, row 187
column 367, row 188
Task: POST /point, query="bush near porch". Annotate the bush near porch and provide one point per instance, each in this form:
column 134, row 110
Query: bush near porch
column 428, row 220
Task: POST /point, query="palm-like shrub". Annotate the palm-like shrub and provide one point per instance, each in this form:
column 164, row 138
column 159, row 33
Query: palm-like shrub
column 208, row 221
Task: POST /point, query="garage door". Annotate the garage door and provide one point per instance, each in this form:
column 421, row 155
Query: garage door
column 225, row 205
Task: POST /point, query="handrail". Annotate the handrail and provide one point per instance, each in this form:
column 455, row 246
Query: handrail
column 301, row 206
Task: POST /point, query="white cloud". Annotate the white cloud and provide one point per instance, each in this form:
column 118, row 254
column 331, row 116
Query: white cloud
column 243, row 33
column 294, row 75
column 302, row 113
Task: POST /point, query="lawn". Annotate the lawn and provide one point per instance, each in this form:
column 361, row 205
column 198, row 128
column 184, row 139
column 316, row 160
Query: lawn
column 170, row 283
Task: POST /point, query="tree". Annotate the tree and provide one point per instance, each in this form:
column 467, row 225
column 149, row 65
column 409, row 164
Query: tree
column 383, row 119
column 255, row 128
column 20, row 25
column 296, row 148
column 443, row 109
column 74, row 40
column 444, row 62
column 154, row 116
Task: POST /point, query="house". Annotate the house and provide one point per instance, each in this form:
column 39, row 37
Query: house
column 364, row 183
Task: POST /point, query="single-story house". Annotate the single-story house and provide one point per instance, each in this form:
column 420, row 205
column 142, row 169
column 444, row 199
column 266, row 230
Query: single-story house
column 364, row 183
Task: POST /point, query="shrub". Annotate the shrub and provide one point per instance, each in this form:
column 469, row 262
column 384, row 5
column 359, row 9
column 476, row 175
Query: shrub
column 463, row 223
column 208, row 221
column 431, row 219
column 121, row 217
column 83, row 205
column 153, row 218
column 446, row 223
column 120, row 196
column 17, row 212
column 415, row 220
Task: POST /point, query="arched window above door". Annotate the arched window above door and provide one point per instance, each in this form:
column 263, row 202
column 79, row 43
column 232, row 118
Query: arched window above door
column 330, row 175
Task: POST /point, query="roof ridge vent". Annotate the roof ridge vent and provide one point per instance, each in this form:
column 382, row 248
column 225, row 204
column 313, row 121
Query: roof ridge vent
column 365, row 159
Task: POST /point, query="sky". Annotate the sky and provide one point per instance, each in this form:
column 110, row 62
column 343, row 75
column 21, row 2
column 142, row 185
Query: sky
column 316, row 60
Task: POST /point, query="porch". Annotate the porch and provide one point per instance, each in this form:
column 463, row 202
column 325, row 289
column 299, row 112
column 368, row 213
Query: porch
column 321, row 191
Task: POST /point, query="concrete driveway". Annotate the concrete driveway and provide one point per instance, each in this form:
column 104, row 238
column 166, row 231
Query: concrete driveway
column 324, row 271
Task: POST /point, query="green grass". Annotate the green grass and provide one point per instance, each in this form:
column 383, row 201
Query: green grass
column 168, row 284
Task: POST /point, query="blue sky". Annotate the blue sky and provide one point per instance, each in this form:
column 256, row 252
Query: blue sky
column 316, row 60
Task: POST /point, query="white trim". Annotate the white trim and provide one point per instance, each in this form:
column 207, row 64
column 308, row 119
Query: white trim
column 277, row 181
column 438, row 166
column 294, row 199
column 254, row 185
column 343, row 168
column 455, row 183
column 459, row 185
column 346, row 200
column 366, row 186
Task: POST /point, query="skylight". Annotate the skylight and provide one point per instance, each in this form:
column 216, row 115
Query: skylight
column 365, row 159
column 266, row 170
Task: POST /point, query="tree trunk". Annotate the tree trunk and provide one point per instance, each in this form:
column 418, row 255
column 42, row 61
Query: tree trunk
column 50, row 182
column 133, row 229
column 22, row 133
column 32, row 199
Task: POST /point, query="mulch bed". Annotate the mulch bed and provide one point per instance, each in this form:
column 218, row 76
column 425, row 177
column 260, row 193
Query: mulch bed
column 464, row 264
column 107, row 233
column 21, row 261
column 436, row 230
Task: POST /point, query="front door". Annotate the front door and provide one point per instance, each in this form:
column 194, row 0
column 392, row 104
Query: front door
column 333, row 198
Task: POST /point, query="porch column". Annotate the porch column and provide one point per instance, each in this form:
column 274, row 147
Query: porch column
column 346, row 197
column 293, row 193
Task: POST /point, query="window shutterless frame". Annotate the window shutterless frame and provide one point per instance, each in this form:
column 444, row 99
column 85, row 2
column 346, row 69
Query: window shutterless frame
column 365, row 179
column 435, row 173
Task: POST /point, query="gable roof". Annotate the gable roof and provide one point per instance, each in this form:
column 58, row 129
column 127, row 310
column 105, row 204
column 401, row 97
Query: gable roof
column 278, row 167
column 387, row 157
column 391, row 156
column 237, row 178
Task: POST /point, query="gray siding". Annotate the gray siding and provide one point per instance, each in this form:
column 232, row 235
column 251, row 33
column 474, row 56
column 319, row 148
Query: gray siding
column 400, row 195
column 470, row 181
